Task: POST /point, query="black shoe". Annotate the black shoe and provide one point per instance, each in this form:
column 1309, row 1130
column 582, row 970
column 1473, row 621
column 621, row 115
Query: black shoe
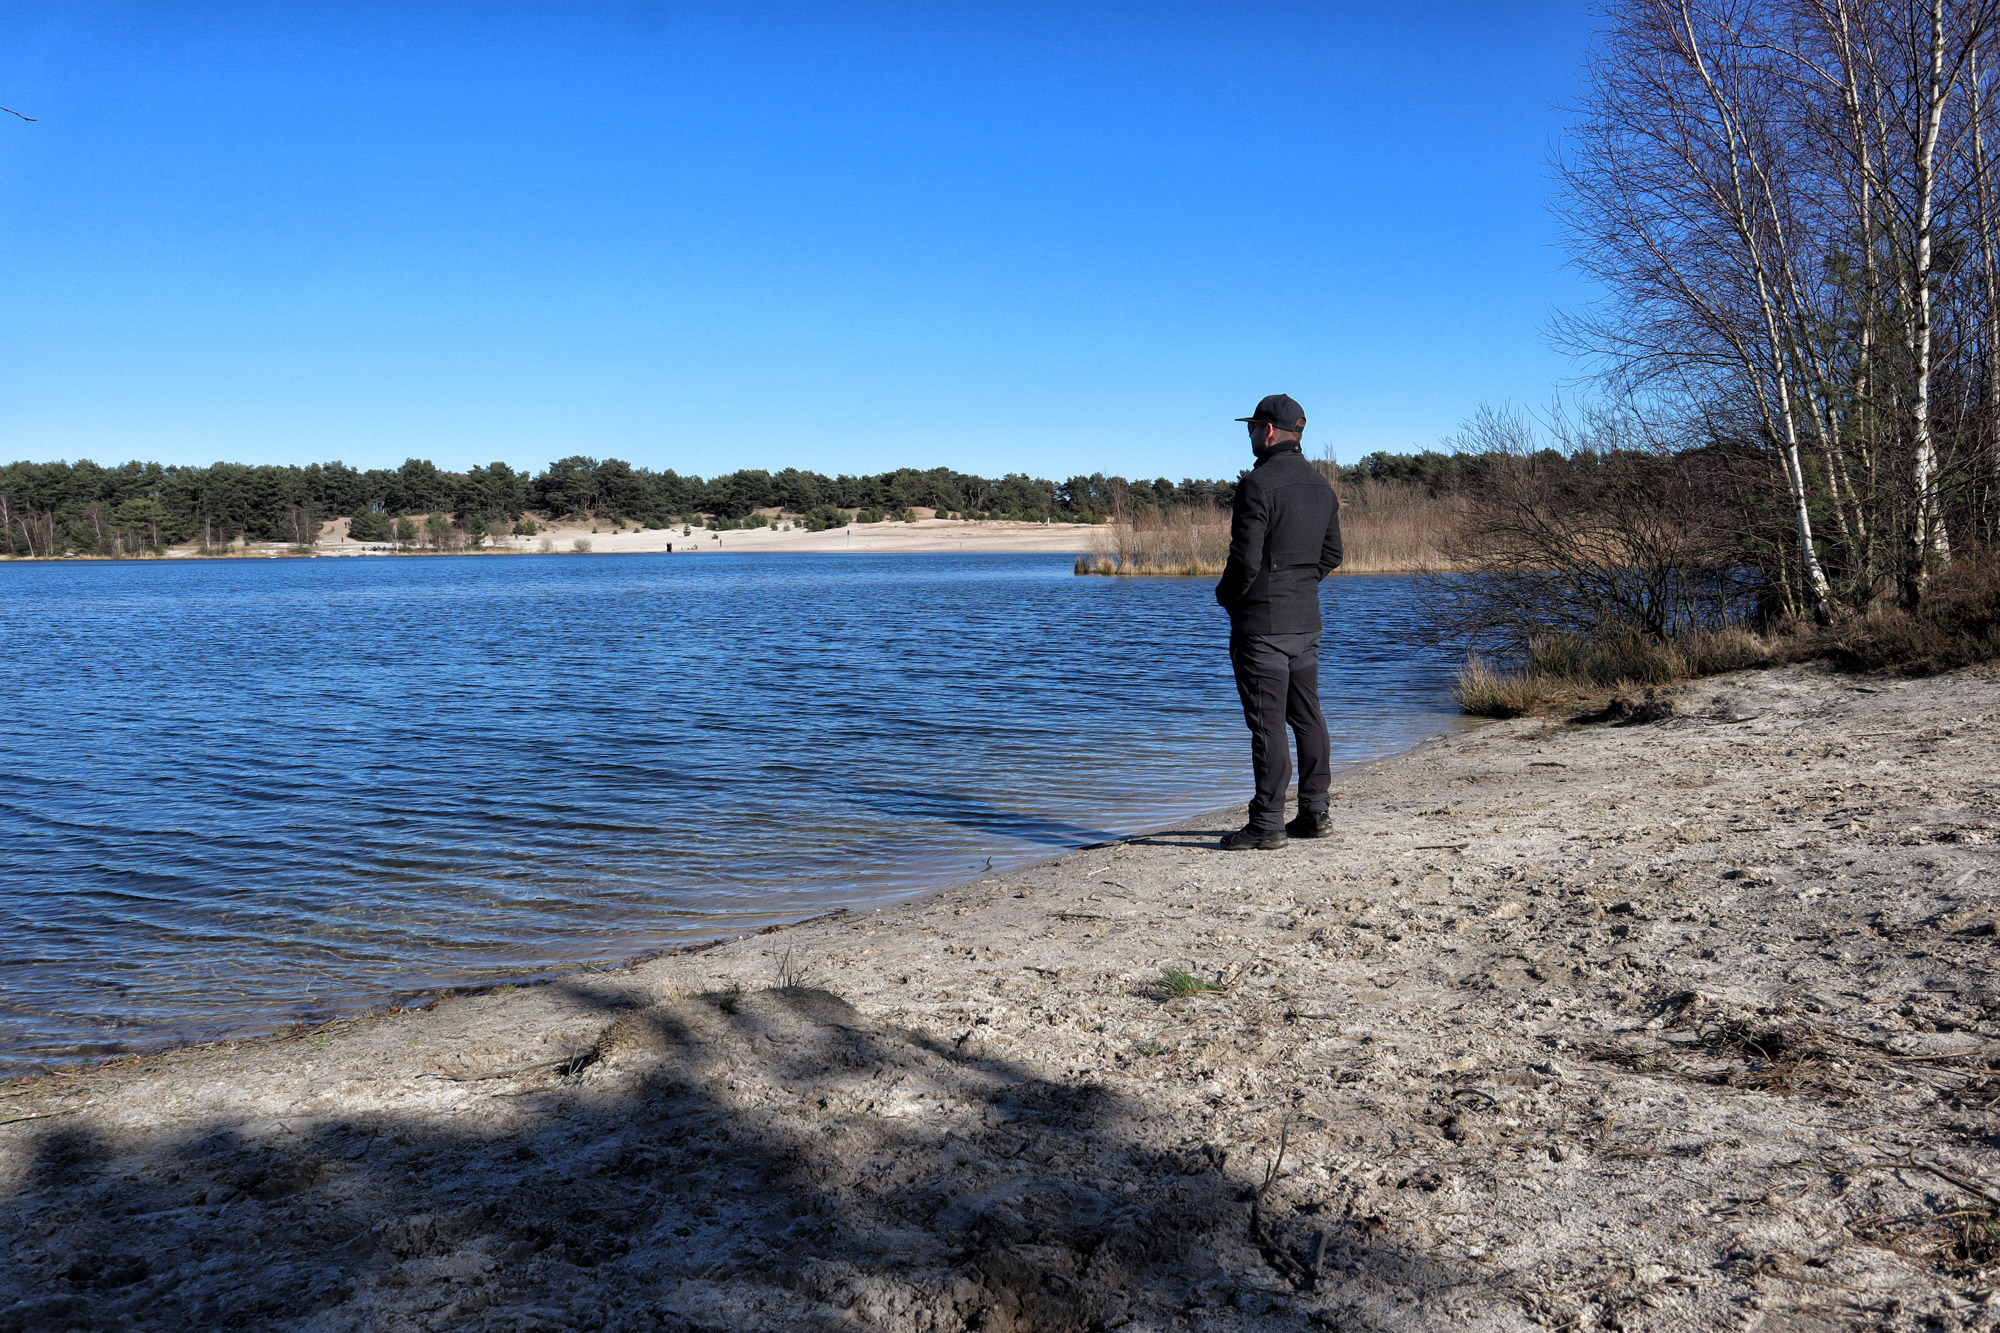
column 1311, row 824
column 1254, row 840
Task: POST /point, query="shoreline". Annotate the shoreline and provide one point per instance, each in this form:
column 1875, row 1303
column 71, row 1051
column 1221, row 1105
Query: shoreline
column 417, row 1000
column 928, row 536
column 1676, row 1025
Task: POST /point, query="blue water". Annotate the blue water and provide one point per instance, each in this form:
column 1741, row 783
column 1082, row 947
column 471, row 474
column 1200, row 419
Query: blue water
column 239, row 794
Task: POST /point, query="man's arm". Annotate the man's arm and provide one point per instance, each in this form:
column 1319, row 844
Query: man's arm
column 1330, row 554
column 1247, row 522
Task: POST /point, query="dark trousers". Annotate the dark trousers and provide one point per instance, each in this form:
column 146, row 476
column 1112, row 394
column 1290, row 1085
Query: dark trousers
column 1277, row 677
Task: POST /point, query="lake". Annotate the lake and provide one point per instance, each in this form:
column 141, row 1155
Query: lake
column 240, row 794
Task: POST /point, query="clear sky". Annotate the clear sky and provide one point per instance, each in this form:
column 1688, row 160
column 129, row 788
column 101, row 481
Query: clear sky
column 1052, row 238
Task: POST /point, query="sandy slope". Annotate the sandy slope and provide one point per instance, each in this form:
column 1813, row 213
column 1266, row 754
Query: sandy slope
column 1682, row 1025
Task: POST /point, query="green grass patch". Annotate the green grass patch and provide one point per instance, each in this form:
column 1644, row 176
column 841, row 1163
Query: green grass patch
column 1179, row 985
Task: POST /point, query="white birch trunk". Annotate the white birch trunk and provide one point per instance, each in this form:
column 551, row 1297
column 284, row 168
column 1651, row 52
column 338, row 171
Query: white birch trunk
column 1739, row 217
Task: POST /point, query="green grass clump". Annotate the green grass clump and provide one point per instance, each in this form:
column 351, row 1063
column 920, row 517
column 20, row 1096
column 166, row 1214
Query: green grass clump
column 1179, row 985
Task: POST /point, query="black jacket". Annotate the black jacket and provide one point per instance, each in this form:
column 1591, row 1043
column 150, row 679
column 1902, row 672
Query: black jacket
column 1284, row 537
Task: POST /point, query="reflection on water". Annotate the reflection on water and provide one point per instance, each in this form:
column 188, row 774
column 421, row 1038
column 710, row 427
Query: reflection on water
column 242, row 793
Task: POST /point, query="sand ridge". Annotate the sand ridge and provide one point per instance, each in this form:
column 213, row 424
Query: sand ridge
column 1689, row 1024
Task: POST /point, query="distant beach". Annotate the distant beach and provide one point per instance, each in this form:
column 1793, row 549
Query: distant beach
column 926, row 535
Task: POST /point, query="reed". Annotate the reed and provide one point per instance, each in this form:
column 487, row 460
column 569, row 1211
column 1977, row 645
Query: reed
column 1188, row 541
column 1396, row 528
column 1386, row 528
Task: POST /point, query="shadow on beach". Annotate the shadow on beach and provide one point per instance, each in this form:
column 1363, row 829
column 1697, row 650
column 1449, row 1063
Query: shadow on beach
column 768, row 1159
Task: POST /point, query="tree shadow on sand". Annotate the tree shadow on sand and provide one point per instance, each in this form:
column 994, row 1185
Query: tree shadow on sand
column 770, row 1159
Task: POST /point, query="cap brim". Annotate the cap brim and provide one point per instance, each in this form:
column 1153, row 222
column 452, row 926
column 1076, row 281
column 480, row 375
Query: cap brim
column 1249, row 418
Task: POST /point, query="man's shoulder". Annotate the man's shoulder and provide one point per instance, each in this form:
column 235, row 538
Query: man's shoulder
column 1290, row 469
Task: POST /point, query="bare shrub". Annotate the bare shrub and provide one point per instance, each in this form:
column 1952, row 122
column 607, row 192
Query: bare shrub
column 1612, row 536
column 1956, row 624
column 581, row 546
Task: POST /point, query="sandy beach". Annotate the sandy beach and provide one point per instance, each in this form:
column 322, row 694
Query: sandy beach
column 1687, row 1023
column 924, row 535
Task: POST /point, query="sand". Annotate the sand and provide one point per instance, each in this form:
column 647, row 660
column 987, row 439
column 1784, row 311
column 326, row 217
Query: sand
column 1684, row 1023
column 925, row 535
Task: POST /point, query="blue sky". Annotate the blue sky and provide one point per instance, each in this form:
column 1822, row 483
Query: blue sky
column 1000, row 237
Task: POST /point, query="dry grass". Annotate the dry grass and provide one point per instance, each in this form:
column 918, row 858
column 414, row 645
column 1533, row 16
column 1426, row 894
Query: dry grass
column 1391, row 528
column 1184, row 542
column 1957, row 623
column 1564, row 669
column 1386, row 529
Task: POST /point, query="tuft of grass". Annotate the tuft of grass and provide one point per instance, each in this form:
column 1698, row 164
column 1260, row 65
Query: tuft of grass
column 793, row 975
column 728, row 1001
column 1386, row 527
column 1179, row 985
column 1185, row 542
column 1483, row 692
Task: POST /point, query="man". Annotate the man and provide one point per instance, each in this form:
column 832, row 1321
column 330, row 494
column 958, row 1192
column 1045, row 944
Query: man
column 1284, row 537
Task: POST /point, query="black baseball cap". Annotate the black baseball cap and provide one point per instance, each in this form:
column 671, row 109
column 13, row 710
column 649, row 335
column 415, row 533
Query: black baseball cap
column 1280, row 410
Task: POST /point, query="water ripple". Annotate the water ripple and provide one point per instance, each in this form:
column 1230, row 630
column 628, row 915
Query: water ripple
column 244, row 793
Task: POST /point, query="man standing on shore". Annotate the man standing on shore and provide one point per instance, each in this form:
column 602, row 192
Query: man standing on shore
column 1284, row 537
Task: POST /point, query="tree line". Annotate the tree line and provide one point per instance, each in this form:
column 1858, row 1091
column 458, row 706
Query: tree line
column 53, row 508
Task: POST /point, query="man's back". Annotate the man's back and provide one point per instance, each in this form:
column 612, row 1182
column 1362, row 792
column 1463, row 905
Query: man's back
column 1284, row 537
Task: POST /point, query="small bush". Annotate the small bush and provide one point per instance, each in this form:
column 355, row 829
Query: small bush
column 525, row 528
column 1565, row 666
column 1956, row 624
column 581, row 545
column 870, row 515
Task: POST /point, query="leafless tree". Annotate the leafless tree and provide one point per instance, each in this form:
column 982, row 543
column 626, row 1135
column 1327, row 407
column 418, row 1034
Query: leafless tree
column 303, row 525
column 1790, row 202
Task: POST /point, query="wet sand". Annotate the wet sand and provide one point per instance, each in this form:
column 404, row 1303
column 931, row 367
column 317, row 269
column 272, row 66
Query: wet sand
column 1689, row 1024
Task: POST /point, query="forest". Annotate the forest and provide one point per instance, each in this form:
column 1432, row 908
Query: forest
column 136, row 508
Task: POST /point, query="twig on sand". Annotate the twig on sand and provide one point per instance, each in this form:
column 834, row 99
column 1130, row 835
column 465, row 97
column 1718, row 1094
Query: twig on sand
column 1942, row 1174
column 1274, row 1253
column 36, row 1115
